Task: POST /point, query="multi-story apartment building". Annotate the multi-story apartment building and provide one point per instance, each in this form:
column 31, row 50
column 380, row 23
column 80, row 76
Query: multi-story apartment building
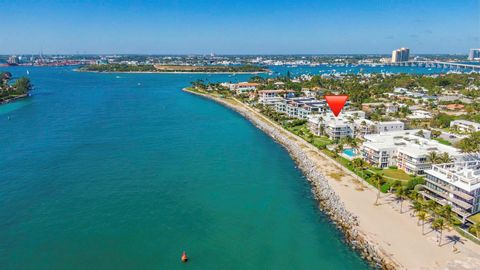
column 400, row 55
column 379, row 154
column 456, row 184
column 412, row 155
column 300, row 107
column 350, row 124
column 12, row 60
column 271, row 97
column 465, row 126
column 408, row 150
column 335, row 127
column 387, row 126
column 243, row 87
column 474, row 54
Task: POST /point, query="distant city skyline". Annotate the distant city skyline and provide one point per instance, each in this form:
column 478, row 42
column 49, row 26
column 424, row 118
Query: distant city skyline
column 247, row 27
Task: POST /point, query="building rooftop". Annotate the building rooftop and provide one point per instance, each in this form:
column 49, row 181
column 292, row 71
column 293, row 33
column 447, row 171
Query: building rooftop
column 465, row 122
column 408, row 142
column 463, row 173
column 275, row 91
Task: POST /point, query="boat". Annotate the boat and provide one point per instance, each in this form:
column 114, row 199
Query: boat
column 184, row 257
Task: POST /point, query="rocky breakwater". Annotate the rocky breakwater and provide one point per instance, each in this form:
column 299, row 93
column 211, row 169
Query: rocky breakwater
column 328, row 200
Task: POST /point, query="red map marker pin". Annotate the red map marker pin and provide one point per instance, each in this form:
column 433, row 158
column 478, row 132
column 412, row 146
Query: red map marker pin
column 336, row 103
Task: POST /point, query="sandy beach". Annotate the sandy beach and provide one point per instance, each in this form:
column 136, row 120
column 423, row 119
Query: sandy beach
column 396, row 237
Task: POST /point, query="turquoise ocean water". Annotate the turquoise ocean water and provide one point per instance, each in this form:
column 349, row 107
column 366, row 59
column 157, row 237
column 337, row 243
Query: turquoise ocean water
column 125, row 171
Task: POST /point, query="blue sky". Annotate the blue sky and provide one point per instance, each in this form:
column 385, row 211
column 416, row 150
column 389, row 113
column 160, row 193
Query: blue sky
column 239, row 27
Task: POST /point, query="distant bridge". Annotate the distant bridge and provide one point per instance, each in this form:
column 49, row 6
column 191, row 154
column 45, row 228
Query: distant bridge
column 436, row 64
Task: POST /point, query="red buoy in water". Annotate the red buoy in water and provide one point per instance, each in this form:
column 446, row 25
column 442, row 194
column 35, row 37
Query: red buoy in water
column 184, row 257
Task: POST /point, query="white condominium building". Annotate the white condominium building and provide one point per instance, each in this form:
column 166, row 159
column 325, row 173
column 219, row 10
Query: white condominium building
column 300, row 107
column 408, row 150
column 350, row 124
column 270, row 97
column 456, row 184
column 389, row 126
column 244, row 87
column 465, row 126
column 474, row 54
column 400, row 55
column 335, row 127
column 420, row 115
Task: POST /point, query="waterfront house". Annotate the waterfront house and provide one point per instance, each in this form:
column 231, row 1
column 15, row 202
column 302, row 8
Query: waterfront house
column 244, row 87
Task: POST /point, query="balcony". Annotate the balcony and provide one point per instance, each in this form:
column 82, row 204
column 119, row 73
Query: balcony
column 445, row 196
column 462, row 213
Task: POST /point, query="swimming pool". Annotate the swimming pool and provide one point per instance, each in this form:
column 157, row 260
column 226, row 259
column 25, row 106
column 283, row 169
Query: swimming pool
column 349, row 152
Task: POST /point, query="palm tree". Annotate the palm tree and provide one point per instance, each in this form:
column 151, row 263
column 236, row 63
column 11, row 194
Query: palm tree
column 439, row 224
column 377, row 180
column 444, row 158
column 417, row 206
column 420, row 133
column 396, row 185
column 358, row 163
column 431, row 206
column 401, row 194
column 422, row 216
column 354, row 143
column 338, row 148
column 432, row 157
column 446, row 211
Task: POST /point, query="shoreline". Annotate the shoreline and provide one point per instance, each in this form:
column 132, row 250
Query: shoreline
column 13, row 99
column 170, row 72
column 382, row 236
column 328, row 200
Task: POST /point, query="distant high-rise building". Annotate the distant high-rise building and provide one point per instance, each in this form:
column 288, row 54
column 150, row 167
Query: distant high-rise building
column 474, row 54
column 13, row 60
column 400, row 55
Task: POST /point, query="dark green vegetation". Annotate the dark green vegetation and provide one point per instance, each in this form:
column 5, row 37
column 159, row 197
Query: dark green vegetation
column 17, row 89
column 118, row 68
column 471, row 143
column 170, row 68
column 376, row 87
column 370, row 88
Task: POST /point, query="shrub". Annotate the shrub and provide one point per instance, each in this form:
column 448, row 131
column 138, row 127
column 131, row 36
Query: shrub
column 413, row 182
column 385, row 187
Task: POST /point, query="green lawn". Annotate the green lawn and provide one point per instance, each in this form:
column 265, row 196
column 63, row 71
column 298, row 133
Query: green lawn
column 397, row 174
column 442, row 141
column 321, row 141
column 305, row 133
column 475, row 218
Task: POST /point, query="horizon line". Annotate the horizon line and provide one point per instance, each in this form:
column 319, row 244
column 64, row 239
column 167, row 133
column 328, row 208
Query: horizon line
column 233, row 54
